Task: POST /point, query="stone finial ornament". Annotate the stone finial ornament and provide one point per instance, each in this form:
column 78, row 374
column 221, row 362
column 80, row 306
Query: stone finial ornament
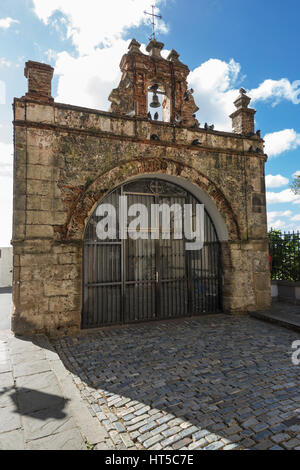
column 154, row 48
column 174, row 57
column 243, row 117
column 134, row 47
column 189, row 108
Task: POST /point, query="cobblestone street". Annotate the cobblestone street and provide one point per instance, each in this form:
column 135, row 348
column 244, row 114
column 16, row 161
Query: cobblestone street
column 216, row 382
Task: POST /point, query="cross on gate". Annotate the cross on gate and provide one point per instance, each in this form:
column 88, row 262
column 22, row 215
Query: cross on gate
column 153, row 21
column 156, row 187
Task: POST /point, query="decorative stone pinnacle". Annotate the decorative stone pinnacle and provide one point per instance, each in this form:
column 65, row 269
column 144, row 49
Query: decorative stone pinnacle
column 173, row 56
column 154, row 47
column 134, row 47
column 243, row 100
column 243, row 117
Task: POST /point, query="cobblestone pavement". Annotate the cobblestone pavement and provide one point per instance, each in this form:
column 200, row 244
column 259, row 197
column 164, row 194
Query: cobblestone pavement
column 216, row 382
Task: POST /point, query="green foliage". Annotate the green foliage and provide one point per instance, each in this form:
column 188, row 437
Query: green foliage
column 295, row 186
column 88, row 182
column 285, row 255
column 89, row 446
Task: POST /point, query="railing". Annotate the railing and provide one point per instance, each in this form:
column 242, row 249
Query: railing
column 285, row 255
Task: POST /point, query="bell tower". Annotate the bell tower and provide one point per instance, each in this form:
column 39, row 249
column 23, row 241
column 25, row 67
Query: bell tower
column 150, row 75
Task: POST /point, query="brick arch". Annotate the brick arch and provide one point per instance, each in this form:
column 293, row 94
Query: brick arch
column 82, row 202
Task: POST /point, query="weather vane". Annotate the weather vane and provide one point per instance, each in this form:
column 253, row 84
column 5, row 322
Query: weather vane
column 153, row 15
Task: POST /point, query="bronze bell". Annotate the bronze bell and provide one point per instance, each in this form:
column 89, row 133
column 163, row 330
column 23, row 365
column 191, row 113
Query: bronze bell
column 155, row 101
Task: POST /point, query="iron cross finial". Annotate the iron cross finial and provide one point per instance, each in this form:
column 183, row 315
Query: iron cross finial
column 153, row 15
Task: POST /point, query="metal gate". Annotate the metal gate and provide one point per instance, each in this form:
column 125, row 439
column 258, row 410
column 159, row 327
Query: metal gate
column 127, row 281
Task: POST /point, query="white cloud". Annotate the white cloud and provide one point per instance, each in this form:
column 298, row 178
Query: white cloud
column 51, row 54
column 276, row 181
column 275, row 221
column 277, row 224
column 297, row 173
column 277, row 91
column 6, row 23
column 282, row 220
column 274, row 214
column 6, row 160
column 6, row 193
column 88, row 80
column 282, row 141
column 4, row 62
column 213, row 83
column 283, row 197
column 96, row 75
column 95, row 23
column 2, row 92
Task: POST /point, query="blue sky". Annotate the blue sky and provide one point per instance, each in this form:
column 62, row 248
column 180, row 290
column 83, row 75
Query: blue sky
column 226, row 44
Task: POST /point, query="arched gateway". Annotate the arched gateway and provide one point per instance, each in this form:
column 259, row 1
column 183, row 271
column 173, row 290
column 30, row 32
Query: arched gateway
column 156, row 276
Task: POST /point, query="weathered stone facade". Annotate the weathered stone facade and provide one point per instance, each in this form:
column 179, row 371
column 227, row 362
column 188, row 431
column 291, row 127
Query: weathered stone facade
column 68, row 158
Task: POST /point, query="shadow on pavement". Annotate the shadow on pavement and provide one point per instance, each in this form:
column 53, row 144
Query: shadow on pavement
column 36, row 404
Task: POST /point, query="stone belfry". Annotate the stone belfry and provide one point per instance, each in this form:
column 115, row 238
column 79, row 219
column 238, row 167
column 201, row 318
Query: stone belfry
column 142, row 73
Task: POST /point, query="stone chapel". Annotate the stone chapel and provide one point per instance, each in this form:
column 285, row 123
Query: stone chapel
column 149, row 146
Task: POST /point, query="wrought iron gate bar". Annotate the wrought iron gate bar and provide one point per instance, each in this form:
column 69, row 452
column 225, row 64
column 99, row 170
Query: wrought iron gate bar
column 102, row 284
column 154, row 194
column 102, row 243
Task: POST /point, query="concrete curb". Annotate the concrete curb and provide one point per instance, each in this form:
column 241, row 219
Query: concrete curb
column 276, row 321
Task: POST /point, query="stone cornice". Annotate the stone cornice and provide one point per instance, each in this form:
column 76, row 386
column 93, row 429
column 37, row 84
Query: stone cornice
column 137, row 139
column 81, row 109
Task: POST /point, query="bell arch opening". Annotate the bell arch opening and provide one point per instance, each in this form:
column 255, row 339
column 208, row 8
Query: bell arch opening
column 158, row 102
column 150, row 273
